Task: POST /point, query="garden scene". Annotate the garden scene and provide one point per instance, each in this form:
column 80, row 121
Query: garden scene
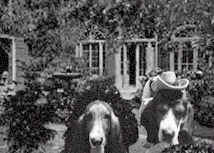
column 58, row 56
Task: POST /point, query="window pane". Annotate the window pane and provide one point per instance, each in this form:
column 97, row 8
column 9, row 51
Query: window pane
column 187, row 59
column 95, row 55
column 176, row 60
column 86, row 54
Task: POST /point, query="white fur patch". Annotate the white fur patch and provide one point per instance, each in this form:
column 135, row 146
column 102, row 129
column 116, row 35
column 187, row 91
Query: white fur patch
column 99, row 149
column 169, row 124
column 97, row 132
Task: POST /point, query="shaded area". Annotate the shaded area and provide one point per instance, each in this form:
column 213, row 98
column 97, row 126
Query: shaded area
column 4, row 61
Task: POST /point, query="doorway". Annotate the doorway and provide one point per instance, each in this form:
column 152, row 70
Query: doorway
column 131, row 56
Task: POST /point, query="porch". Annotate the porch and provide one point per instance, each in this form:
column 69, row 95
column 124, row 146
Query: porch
column 128, row 64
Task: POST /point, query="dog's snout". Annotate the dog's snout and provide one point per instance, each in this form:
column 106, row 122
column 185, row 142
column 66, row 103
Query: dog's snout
column 168, row 135
column 96, row 141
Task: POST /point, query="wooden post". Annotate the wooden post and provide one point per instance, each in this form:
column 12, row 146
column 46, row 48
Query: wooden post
column 77, row 52
column 100, row 58
column 149, row 57
column 172, row 61
column 137, row 64
column 90, row 57
column 13, row 60
column 156, row 51
column 80, row 49
column 118, row 79
column 180, row 55
column 195, row 58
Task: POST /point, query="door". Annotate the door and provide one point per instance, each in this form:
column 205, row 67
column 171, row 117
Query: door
column 131, row 53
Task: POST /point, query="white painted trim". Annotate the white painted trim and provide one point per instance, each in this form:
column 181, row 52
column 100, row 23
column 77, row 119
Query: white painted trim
column 80, row 49
column 129, row 40
column 180, row 55
column 195, row 58
column 137, row 69
column 77, row 54
column 172, row 61
column 90, row 56
column 13, row 60
column 118, row 79
column 149, row 60
column 100, row 58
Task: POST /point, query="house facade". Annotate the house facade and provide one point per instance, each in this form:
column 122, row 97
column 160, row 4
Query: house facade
column 136, row 57
column 127, row 64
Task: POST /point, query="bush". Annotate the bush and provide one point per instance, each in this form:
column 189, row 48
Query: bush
column 60, row 94
column 204, row 113
column 25, row 116
column 199, row 147
column 100, row 88
column 201, row 86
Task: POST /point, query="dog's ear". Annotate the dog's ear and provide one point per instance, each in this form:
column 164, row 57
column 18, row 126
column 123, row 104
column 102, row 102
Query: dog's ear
column 115, row 138
column 188, row 122
column 185, row 134
column 75, row 138
column 149, row 121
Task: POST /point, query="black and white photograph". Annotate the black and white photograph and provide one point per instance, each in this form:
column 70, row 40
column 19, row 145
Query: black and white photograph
column 106, row 76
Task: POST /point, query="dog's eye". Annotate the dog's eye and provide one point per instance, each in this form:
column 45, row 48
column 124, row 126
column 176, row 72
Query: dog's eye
column 88, row 116
column 179, row 113
column 163, row 109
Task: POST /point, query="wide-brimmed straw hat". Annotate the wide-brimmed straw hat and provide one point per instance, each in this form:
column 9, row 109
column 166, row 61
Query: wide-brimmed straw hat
column 168, row 80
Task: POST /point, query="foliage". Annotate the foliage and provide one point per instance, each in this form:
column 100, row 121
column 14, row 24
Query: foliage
column 53, row 28
column 100, row 88
column 199, row 147
column 60, row 94
column 201, row 86
column 204, row 113
column 25, row 114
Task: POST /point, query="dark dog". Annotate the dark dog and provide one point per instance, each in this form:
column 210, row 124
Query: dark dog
column 97, row 130
column 168, row 118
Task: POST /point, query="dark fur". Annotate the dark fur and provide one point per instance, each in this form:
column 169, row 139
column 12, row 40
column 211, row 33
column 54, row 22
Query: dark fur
column 150, row 118
column 77, row 141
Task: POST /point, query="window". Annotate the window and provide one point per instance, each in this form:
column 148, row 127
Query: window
column 93, row 54
column 184, row 57
column 187, row 58
column 95, row 58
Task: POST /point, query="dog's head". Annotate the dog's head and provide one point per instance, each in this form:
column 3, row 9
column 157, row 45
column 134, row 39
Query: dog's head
column 101, row 126
column 169, row 113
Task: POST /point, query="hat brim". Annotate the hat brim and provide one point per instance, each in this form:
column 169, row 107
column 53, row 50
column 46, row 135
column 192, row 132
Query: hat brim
column 180, row 84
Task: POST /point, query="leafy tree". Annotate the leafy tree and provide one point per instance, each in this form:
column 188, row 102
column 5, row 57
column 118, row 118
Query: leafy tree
column 51, row 28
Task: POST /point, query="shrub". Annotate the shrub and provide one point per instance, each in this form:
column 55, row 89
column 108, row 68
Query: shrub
column 201, row 86
column 100, row 88
column 60, row 96
column 199, row 147
column 25, row 116
column 204, row 113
